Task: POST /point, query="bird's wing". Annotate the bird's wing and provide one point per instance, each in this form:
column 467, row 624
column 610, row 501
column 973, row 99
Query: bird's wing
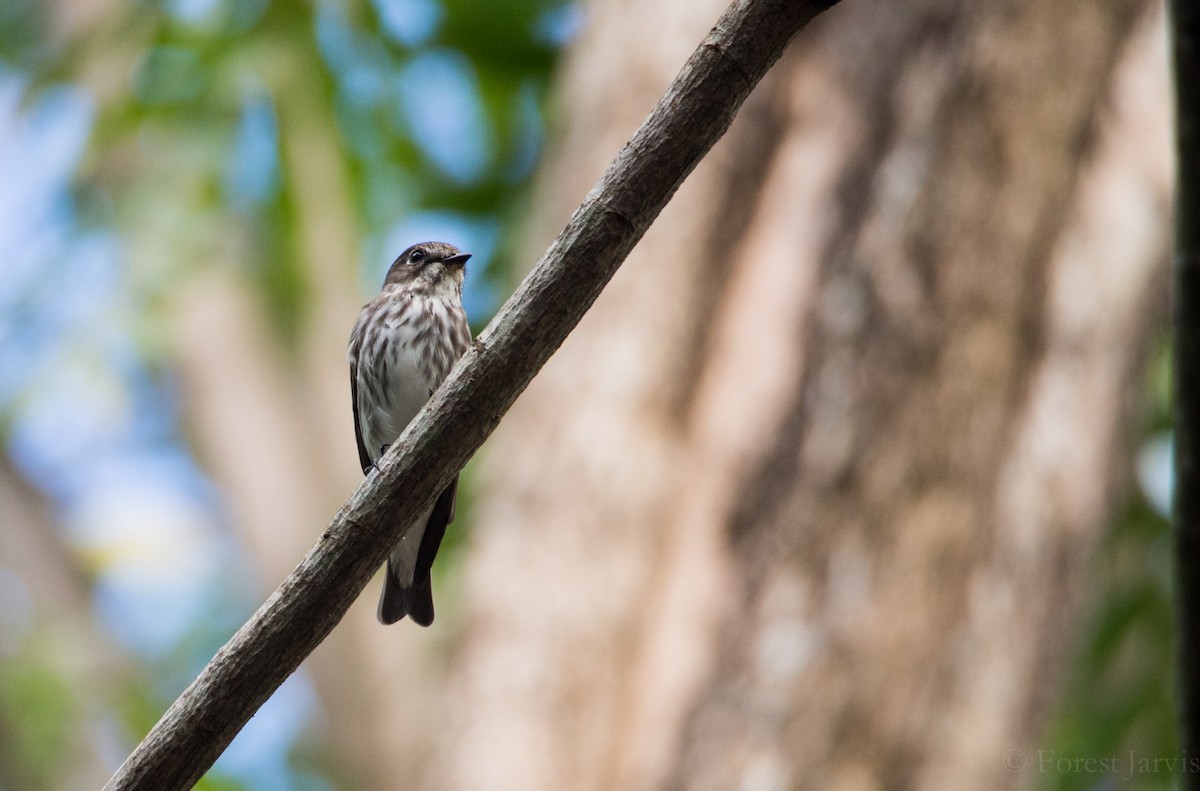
column 435, row 528
column 363, row 458
column 418, row 601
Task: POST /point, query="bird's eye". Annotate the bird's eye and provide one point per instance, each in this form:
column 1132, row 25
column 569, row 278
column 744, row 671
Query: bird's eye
column 416, row 256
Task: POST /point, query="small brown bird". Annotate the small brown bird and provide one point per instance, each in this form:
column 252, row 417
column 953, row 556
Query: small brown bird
column 403, row 345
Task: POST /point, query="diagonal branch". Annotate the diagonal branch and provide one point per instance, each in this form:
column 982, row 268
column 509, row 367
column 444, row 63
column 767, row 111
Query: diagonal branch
column 696, row 110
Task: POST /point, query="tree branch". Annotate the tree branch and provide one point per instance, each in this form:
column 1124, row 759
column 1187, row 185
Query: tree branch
column 1185, row 29
column 696, row 110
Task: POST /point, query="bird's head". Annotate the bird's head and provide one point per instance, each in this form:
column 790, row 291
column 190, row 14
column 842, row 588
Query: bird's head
column 432, row 264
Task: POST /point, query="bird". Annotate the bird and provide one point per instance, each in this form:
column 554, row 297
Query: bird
column 404, row 343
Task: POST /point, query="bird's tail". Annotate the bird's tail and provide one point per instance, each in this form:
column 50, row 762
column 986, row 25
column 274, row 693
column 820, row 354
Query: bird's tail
column 416, row 551
column 415, row 601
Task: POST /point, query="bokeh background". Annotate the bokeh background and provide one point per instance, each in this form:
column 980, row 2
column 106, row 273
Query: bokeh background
column 855, row 478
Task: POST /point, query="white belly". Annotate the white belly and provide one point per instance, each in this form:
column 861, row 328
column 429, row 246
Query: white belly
column 396, row 378
column 404, row 391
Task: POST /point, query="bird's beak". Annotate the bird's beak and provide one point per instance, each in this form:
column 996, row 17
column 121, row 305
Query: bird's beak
column 456, row 260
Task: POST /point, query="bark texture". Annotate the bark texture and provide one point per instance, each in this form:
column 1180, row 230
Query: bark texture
column 806, row 500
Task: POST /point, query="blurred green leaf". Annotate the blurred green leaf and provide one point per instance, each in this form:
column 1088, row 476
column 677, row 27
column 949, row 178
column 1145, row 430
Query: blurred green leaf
column 1118, row 703
column 35, row 697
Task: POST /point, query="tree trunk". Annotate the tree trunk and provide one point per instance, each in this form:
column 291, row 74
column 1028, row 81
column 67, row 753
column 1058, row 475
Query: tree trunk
column 806, row 500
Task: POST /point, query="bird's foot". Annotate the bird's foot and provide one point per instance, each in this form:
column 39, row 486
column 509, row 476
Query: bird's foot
column 382, row 450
